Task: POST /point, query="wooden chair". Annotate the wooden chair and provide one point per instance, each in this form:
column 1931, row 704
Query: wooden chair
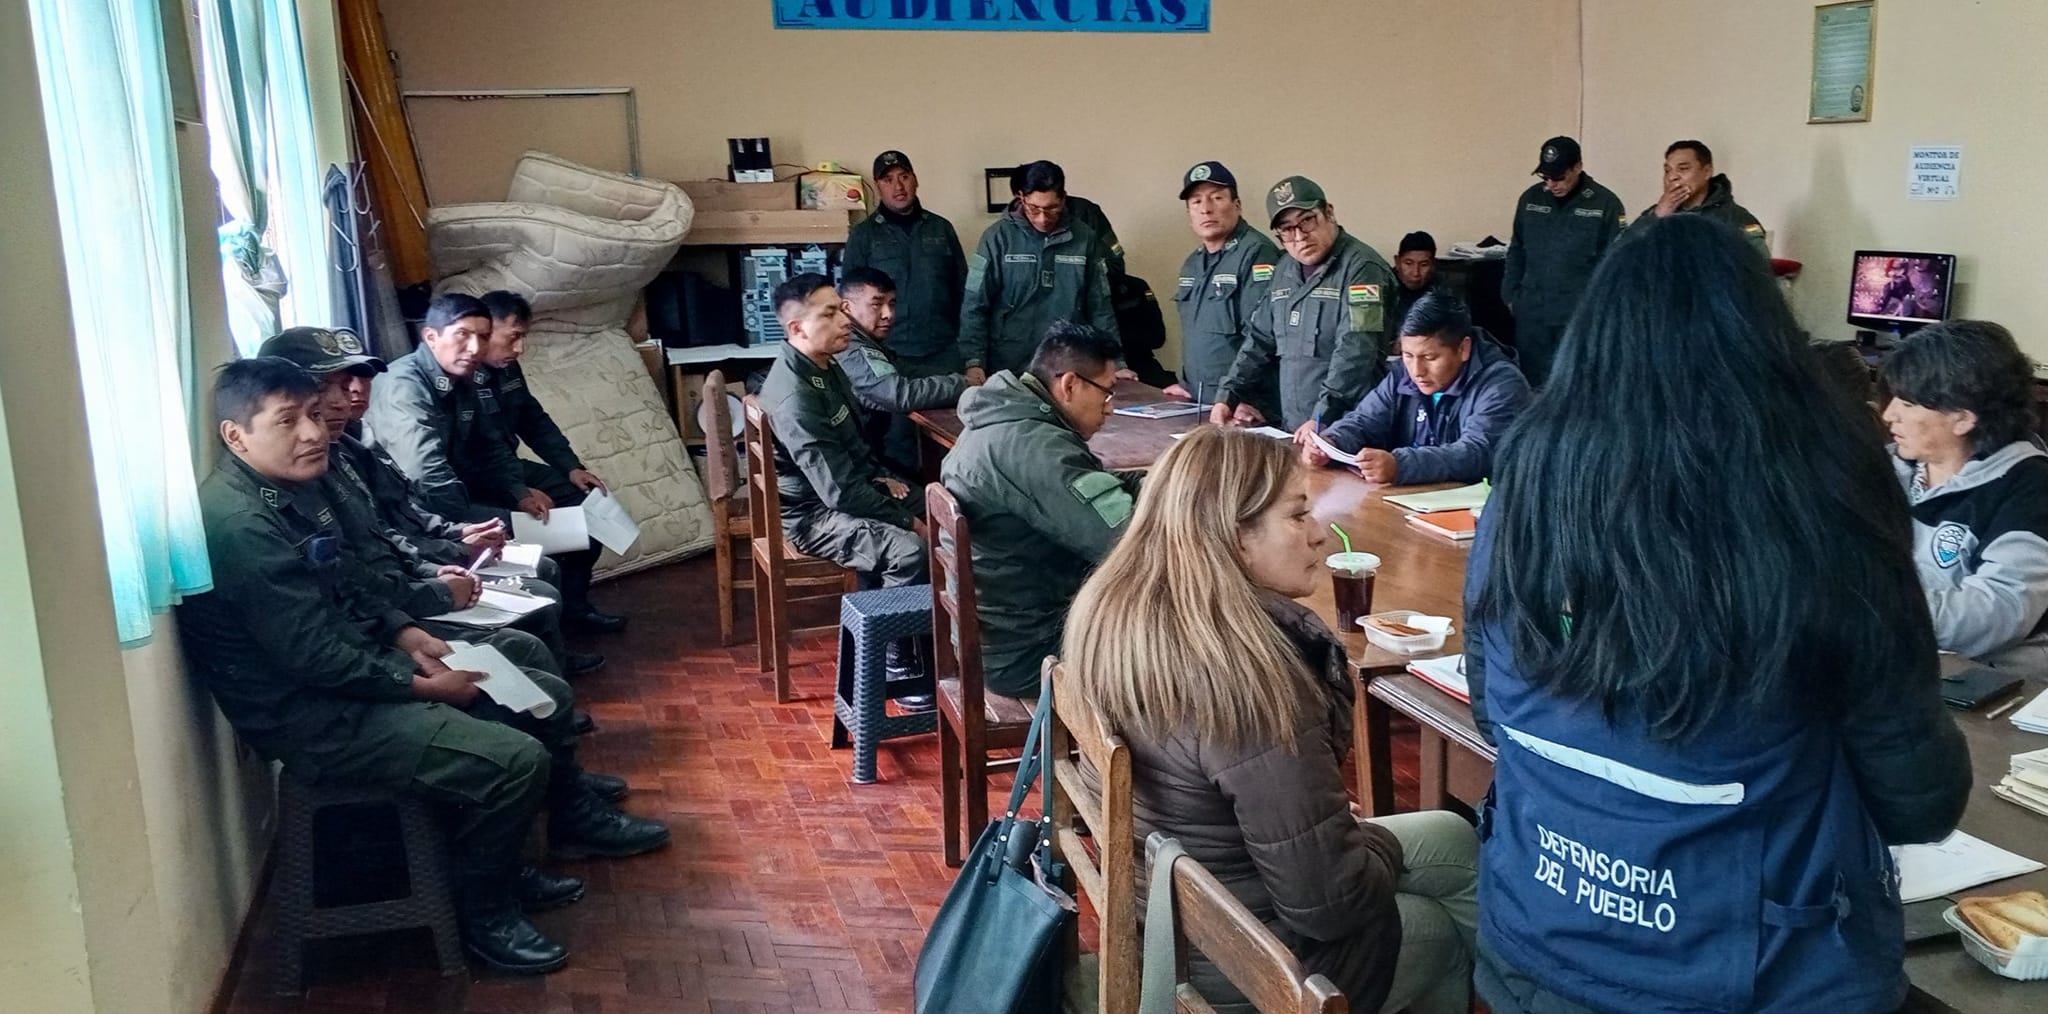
column 1208, row 917
column 1108, row 876
column 972, row 721
column 777, row 567
column 732, row 526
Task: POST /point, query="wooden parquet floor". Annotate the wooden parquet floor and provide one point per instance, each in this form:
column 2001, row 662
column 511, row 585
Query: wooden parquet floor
column 787, row 889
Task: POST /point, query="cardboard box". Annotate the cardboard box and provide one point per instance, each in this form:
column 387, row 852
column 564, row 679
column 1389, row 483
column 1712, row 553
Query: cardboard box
column 825, row 191
column 720, row 195
column 766, row 228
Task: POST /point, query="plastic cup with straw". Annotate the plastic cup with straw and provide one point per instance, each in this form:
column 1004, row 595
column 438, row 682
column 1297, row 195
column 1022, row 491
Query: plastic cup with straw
column 1351, row 580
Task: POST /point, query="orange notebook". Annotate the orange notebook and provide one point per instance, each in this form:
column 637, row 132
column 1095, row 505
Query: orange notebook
column 1458, row 524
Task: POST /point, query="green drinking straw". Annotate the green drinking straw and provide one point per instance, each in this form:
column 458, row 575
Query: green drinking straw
column 1341, row 535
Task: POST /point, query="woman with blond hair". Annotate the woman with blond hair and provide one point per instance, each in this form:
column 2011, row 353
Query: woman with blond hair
column 1236, row 704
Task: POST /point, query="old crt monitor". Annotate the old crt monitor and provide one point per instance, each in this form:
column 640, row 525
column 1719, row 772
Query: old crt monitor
column 1891, row 290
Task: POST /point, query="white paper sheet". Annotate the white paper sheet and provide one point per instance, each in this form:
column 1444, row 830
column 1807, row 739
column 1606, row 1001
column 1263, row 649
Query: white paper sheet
column 515, row 559
column 609, row 523
column 504, row 682
column 1344, row 457
column 1956, row 863
column 565, row 530
column 1461, row 498
column 495, row 608
column 2033, row 716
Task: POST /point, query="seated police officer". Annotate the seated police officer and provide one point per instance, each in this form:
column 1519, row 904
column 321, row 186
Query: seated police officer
column 1044, row 509
column 439, row 416
column 429, row 587
column 1415, row 275
column 887, row 390
column 311, row 675
column 1439, row 413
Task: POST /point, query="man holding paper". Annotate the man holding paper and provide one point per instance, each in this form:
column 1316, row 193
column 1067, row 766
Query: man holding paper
column 311, row 673
column 1436, row 416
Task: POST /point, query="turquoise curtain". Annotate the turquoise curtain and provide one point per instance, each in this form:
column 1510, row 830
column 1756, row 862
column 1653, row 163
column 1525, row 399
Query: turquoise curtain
column 107, row 110
column 298, row 206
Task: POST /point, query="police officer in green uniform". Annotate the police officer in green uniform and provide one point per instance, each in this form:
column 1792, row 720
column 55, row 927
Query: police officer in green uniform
column 440, row 418
column 921, row 253
column 1563, row 225
column 1692, row 187
column 886, row 388
column 1044, row 509
column 311, row 675
column 1324, row 319
column 1082, row 210
column 1035, row 265
column 1222, row 284
column 1415, row 273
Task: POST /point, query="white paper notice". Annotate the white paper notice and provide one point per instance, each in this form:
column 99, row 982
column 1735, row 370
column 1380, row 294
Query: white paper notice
column 516, row 559
column 565, row 530
column 609, row 523
column 504, row 682
column 1934, row 172
column 1956, row 863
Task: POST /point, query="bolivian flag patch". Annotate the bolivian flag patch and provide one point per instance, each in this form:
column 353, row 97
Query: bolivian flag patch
column 1753, row 229
column 1262, row 272
column 1361, row 294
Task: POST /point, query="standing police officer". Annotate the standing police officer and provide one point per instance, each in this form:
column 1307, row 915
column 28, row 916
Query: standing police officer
column 1562, row 227
column 1692, row 187
column 1222, row 284
column 1324, row 318
column 921, row 253
column 1035, row 265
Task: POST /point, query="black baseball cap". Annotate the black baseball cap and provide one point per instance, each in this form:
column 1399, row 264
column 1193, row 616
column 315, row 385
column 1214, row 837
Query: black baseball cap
column 1558, row 156
column 891, row 159
column 1207, row 172
column 320, row 350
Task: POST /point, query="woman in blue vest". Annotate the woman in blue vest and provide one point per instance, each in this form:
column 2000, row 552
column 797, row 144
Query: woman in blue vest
column 1699, row 644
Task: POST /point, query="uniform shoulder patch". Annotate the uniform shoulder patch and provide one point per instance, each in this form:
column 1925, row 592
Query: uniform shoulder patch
column 1753, row 229
column 1105, row 495
column 878, row 361
column 1948, row 544
column 1262, row 272
column 1359, row 295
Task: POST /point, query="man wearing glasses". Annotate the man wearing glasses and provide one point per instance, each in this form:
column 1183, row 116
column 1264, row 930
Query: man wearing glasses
column 1563, row 224
column 1323, row 320
column 1034, row 266
column 1044, row 509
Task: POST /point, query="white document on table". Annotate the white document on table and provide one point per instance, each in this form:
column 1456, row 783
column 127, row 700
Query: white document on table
column 609, row 523
column 2033, row 716
column 565, row 530
column 495, row 608
column 515, row 559
column 1956, row 863
column 1461, row 498
column 503, row 682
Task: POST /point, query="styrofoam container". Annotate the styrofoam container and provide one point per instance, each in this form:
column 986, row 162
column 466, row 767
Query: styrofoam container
column 1438, row 627
column 2028, row 961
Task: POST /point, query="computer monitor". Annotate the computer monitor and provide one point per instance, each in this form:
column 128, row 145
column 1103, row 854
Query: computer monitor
column 1891, row 290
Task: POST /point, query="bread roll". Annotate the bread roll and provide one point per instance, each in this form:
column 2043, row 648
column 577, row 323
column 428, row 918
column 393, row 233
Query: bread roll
column 2006, row 921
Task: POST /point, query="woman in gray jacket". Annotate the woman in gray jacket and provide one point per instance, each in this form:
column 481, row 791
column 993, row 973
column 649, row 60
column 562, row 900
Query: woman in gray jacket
column 1237, row 706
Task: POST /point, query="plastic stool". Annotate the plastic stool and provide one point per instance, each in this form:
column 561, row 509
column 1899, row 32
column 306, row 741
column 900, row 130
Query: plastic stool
column 429, row 904
column 868, row 621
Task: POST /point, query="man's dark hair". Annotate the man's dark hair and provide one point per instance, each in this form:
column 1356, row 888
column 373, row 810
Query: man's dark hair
column 449, row 307
column 864, row 277
column 1968, row 366
column 797, row 291
column 1072, row 348
column 242, row 386
column 1440, row 316
column 505, row 305
column 1682, row 596
column 1417, row 240
column 1699, row 150
column 1038, row 177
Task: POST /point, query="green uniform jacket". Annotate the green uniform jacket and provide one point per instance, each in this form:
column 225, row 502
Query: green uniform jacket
column 822, row 460
column 1020, row 281
column 1090, row 214
column 280, row 640
column 1721, row 207
column 1044, row 512
column 1326, row 325
column 521, row 417
column 1555, row 246
column 443, row 433
column 925, row 261
column 1217, row 294
column 886, row 391
column 395, row 573
column 425, row 533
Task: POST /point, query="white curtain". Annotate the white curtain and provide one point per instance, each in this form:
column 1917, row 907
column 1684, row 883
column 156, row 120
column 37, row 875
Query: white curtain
column 107, row 110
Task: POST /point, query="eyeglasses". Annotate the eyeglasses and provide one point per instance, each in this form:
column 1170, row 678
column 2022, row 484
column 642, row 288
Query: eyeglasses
column 1302, row 225
column 1108, row 393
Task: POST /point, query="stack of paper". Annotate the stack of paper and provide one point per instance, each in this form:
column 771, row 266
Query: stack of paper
column 1956, row 863
column 2033, row 717
column 2027, row 783
column 1462, row 498
column 1446, row 674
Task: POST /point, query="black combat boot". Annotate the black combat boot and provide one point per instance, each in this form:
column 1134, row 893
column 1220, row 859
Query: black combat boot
column 496, row 933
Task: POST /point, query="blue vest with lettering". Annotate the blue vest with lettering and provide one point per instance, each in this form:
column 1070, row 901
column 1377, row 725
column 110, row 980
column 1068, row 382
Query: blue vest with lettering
column 1734, row 871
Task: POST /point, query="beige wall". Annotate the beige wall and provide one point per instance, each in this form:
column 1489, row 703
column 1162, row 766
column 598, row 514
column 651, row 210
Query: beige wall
column 1411, row 113
column 1735, row 74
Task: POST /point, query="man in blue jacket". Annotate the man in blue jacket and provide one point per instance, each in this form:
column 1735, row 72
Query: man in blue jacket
column 1437, row 416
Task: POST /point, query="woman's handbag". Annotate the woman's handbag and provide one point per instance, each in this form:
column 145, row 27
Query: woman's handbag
column 995, row 947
